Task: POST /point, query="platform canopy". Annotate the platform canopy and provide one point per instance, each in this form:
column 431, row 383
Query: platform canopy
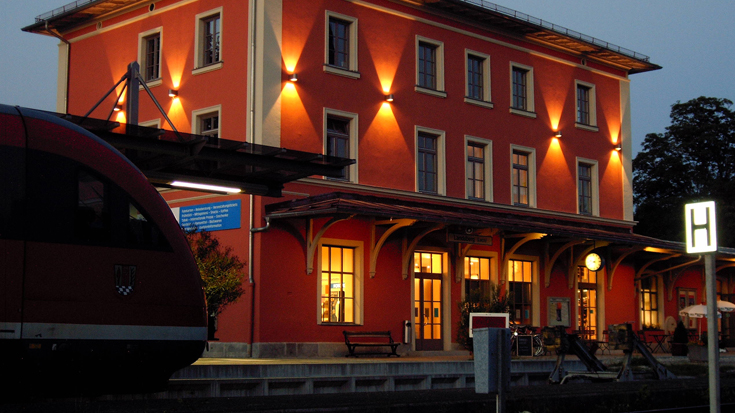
column 166, row 156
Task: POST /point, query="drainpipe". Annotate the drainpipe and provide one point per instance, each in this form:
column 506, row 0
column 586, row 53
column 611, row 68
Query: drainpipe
column 68, row 65
column 251, row 84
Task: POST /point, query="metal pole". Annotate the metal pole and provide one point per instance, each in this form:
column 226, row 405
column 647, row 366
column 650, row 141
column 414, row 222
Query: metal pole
column 713, row 347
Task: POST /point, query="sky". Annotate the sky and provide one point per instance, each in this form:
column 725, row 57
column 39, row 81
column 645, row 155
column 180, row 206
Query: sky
column 694, row 42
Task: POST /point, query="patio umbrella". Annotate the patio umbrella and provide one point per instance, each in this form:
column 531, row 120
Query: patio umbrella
column 725, row 306
column 700, row 311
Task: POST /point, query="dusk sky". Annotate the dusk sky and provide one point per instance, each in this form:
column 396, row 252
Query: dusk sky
column 692, row 41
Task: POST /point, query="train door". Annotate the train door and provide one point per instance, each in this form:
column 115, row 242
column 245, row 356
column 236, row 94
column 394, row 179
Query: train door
column 428, row 300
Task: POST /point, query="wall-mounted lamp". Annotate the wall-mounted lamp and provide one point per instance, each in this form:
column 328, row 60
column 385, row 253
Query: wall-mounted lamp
column 118, row 108
column 619, row 147
column 557, row 134
column 293, row 77
column 173, row 93
column 389, row 97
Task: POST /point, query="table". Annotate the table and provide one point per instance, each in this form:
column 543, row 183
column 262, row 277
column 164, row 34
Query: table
column 660, row 343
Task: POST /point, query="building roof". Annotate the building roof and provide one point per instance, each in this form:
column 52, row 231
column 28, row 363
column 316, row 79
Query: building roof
column 492, row 216
column 536, row 30
column 482, row 12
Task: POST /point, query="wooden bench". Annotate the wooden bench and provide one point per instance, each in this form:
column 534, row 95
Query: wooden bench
column 371, row 339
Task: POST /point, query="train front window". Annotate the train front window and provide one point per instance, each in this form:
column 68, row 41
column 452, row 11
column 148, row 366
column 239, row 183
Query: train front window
column 141, row 231
column 91, row 222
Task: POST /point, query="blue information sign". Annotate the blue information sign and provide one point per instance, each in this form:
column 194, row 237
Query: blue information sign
column 211, row 217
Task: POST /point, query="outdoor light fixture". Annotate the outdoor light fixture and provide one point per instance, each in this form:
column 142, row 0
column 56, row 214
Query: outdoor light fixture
column 619, row 147
column 294, row 77
column 205, row 187
column 557, row 134
column 118, row 108
column 389, row 97
column 173, row 93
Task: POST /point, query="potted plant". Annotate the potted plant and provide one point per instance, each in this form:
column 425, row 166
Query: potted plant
column 494, row 301
column 697, row 351
column 680, row 340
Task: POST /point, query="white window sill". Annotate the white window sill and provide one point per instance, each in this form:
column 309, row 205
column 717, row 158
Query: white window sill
column 586, row 127
column 432, row 92
column 482, row 103
column 523, row 113
column 341, row 72
column 207, row 68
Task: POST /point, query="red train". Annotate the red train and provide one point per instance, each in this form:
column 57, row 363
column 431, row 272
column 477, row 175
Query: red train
column 98, row 288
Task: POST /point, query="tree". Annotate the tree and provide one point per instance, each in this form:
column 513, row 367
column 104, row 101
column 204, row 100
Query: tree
column 221, row 272
column 694, row 160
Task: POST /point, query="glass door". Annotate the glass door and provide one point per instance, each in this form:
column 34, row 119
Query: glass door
column 428, row 300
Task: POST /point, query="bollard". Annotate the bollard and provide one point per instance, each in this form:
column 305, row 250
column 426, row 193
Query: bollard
column 492, row 363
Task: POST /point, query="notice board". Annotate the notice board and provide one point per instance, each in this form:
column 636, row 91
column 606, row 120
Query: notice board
column 484, row 320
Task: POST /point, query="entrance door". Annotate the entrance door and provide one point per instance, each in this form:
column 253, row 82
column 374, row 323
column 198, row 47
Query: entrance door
column 428, row 300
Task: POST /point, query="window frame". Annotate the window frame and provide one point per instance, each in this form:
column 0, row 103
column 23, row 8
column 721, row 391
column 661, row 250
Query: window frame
column 353, row 145
column 440, row 137
column 486, row 99
column 200, row 21
column 487, row 147
column 481, row 254
column 352, row 69
column 199, row 114
column 529, row 109
column 535, row 298
column 143, row 38
column 594, row 186
column 531, row 153
column 591, row 125
column 358, row 281
column 654, row 294
column 438, row 88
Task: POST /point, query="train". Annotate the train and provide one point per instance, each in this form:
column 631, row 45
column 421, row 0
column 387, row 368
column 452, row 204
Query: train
column 99, row 291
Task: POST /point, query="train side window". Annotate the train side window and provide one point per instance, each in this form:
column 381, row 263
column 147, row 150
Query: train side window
column 91, row 220
column 141, row 231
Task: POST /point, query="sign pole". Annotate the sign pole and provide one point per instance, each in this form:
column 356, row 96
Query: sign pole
column 713, row 347
column 701, row 238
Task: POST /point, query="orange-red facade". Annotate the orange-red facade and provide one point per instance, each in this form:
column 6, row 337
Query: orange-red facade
column 285, row 310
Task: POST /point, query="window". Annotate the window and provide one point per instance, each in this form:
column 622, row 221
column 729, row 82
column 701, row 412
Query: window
column 476, row 276
column 586, row 106
column 523, row 176
column 149, row 55
column 584, row 173
column 520, row 178
column 478, row 79
column 206, row 122
column 587, row 187
column 91, row 221
column 430, row 164
column 208, row 45
column 341, row 45
column 649, row 303
column 522, row 95
column 479, row 168
column 338, row 284
column 520, row 276
column 587, row 301
column 340, row 139
column 430, row 67
column 427, row 163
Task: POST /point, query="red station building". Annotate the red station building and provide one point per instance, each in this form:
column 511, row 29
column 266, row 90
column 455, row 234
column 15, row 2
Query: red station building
column 490, row 147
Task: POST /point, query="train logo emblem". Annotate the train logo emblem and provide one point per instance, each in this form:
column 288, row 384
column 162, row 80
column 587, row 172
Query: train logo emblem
column 124, row 279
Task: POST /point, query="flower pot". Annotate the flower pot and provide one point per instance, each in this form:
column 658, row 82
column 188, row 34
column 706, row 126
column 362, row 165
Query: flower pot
column 697, row 353
column 679, row 349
